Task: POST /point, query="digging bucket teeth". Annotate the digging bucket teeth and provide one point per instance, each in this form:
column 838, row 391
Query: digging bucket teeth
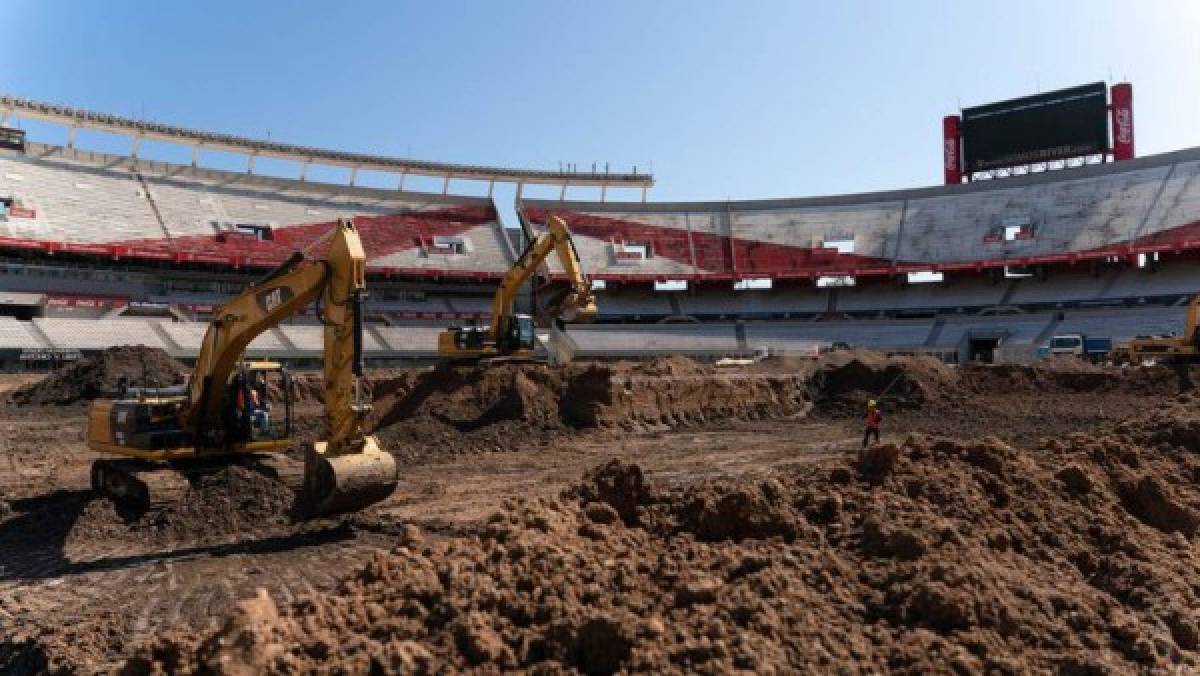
column 346, row 483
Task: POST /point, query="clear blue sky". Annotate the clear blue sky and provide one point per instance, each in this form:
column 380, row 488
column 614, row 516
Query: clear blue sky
column 725, row 100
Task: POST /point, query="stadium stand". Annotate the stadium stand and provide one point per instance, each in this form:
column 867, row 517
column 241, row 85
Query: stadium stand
column 1093, row 213
column 94, row 334
column 121, row 208
column 660, row 339
column 18, row 335
column 87, row 240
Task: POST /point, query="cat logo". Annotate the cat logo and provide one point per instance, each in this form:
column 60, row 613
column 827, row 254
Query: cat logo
column 270, row 299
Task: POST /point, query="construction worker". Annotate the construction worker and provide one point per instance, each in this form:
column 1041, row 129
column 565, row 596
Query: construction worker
column 874, row 420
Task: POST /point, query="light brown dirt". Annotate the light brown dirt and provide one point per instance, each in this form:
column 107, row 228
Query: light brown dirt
column 929, row 556
column 858, row 547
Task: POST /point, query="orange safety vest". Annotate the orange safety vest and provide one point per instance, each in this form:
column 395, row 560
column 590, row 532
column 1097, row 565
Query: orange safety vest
column 874, row 418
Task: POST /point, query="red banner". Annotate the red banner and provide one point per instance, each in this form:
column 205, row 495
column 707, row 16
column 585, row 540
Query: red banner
column 1122, row 121
column 951, row 150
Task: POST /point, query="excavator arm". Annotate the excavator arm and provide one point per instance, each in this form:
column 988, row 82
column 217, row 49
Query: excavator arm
column 349, row 469
column 578, row 305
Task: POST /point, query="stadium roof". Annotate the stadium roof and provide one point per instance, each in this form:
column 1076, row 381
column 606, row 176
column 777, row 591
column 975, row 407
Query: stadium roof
column 140, row 129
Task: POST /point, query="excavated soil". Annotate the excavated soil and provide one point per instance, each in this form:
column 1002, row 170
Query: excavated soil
column 1033, row 518
column 98, row 376
column 453, row 409
column 929, row 556
column 226, row 500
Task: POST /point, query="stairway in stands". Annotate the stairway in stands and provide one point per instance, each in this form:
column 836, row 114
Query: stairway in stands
column 154, row 208
column 1048, row 330
column 935, row 332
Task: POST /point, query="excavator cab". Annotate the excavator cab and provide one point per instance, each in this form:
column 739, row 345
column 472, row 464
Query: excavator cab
column 258, row 403
column 516, row 333
column 515, row 338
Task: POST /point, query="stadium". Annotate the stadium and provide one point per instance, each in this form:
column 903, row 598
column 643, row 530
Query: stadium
column 102, row 250
column 281, row 408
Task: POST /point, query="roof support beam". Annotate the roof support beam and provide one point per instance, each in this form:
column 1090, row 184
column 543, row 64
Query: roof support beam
column 353, row 176
column 123, row 126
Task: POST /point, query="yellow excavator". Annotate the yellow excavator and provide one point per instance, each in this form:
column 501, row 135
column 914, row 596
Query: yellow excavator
column 224, row 413
column 1182, row 348
column 510, row 335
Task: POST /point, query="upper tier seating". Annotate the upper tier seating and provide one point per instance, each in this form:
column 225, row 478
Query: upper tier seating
column 154, row 210
column 1085, row 212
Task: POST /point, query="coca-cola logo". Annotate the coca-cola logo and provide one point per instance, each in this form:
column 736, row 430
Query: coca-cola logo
column 951, row 154
column 1124, row 125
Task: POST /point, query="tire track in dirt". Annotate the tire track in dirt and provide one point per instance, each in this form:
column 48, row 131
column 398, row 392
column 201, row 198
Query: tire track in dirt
column 182, row 585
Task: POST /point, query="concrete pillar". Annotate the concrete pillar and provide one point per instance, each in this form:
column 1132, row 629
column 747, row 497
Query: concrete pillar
column 71, row 136
column 137, row 144
column 491, row 188
column 403, row 175
column 644, row 189
column 353, row 176
column 195, row 156
column 562, row 193
column 446, row 185
column 250, row 163
column 603, row 191
column 304, row 170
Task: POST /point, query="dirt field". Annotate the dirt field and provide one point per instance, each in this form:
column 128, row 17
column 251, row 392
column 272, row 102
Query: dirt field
column 1020, row 519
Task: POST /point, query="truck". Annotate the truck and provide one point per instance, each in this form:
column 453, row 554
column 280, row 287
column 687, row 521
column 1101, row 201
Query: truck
column 1092, row 348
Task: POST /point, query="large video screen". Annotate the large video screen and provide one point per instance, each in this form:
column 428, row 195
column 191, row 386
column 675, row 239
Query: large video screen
column 1064, row 123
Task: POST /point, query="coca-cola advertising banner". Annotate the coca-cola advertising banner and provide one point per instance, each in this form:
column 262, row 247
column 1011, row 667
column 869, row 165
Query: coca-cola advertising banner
column 951, row 150
column 1122, row 121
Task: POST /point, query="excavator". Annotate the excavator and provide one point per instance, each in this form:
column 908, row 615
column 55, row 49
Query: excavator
column 223, row 414
column 509, row 336
column 1183, row 348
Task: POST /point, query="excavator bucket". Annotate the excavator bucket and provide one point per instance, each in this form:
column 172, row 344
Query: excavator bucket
column 345, row 483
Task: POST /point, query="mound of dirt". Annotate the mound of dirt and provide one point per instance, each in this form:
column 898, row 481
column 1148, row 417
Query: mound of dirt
column 229, row 499
column 929, row 556
column 844, row 380
column 98, row 376
column 1067, row 374
column 455, row 408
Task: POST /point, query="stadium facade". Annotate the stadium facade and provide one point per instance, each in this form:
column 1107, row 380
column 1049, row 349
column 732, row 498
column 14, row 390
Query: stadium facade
column 99, row 249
